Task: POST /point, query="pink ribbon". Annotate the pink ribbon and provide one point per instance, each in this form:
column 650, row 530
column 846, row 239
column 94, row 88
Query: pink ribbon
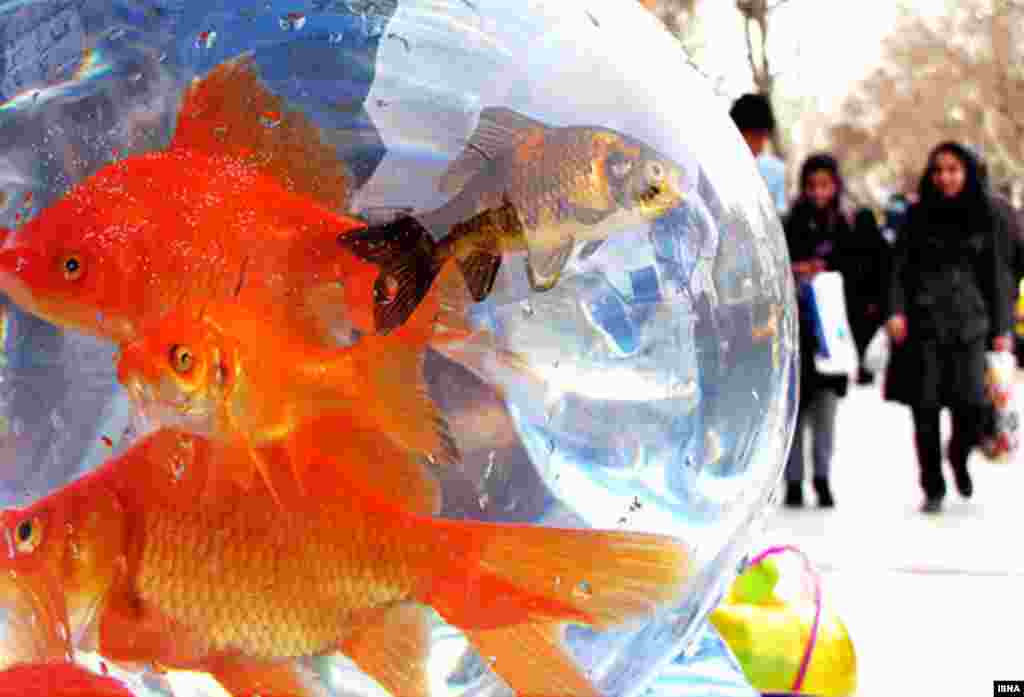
column 805, row 662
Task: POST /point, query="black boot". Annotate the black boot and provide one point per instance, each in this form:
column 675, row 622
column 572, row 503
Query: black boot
column 794, row 495
column 824, row 493
column 932, row 504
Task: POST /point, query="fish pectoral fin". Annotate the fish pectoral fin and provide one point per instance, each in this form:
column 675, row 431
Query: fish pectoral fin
column 533, row 659
column 498, row 130
column 128, row 632
column 392, row 646
column 231, row 111
column 544, row 266
column 246, row 678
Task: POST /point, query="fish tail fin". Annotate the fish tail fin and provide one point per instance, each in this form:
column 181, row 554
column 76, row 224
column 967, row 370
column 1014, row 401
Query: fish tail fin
column 408, row 260
column 533, row 659
column 524, row 583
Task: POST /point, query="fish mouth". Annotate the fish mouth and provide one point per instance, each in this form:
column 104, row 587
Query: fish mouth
column 34, row 625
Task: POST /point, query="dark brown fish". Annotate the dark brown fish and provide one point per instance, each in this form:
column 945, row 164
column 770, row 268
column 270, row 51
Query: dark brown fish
column 519, row 185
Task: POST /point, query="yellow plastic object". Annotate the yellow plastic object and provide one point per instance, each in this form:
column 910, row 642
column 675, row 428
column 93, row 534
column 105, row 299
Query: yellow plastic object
column 773, row 637
column 1019, row 310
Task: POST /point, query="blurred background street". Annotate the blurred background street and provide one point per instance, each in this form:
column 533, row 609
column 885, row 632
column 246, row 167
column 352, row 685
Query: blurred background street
column 932, row 602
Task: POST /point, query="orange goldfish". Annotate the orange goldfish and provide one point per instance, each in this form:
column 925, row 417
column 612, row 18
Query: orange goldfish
column 59, row 679
column 239, row 589
column 231, row 207
column 227, row 373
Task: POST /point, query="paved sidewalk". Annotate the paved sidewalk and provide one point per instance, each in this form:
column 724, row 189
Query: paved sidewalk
column 935, row 605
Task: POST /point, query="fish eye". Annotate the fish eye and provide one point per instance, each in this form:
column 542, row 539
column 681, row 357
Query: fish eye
column 28, row 535
column 182, row 359
column 655, row 170
column 72, row 267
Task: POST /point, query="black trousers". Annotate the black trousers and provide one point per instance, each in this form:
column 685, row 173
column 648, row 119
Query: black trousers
column 968, row 429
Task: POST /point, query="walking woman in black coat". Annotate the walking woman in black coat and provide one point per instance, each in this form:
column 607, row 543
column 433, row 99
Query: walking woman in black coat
column 816, row 232
column 947, row 300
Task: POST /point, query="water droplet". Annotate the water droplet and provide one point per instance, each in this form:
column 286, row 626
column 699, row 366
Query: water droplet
column 116, row 34
column 136, row 77
column 490, row 465
column 13, row 574
column 558, row 581
column 484, row 500
column 335, row 37
column 527, row 307
column 104, row 669
column 62, row 631
column 162, row 58
column 583, row 590
column 551, row 446
column 293, row 21
column 270, row 119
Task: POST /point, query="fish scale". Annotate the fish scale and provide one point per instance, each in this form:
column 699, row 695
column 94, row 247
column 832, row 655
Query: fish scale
column 248, row 587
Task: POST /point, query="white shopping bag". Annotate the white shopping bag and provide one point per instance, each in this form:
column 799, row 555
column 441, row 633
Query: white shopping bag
column 876, row 355
column 837, row 353
column 1002, row 441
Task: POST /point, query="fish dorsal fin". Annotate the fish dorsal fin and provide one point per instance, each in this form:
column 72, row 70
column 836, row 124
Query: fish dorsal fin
column 499, row 130
column 230, row 111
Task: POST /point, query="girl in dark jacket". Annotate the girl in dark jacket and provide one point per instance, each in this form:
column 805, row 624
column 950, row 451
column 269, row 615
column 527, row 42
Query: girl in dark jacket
column 816, row 231
column 947, row 299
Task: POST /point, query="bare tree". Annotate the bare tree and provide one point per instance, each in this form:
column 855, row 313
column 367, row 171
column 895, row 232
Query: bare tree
column 958, row 76
column 756, row 29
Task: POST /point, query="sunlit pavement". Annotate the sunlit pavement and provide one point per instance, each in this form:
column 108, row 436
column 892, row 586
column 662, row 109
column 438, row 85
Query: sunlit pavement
column 935, row 605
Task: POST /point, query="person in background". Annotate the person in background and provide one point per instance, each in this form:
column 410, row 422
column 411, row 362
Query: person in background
column 947, row 297
column 753, row 116
column 816, row 231
column 864, row 262
column 895, row 213
column 1011, row 244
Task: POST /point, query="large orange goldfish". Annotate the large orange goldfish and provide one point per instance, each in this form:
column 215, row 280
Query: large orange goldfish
column 225, row 372
column 231, row 205
column 144, row 574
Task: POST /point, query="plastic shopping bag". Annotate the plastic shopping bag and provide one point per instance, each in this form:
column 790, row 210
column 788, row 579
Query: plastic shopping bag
column 836, row 352
column 876, row 356
column 1003, row 437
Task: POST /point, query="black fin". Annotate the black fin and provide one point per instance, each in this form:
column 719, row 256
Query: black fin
column 545, row 267
column 480, row 269
column 385, row 244
column 400, row 289
column 407, row 257
column 498, row 130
